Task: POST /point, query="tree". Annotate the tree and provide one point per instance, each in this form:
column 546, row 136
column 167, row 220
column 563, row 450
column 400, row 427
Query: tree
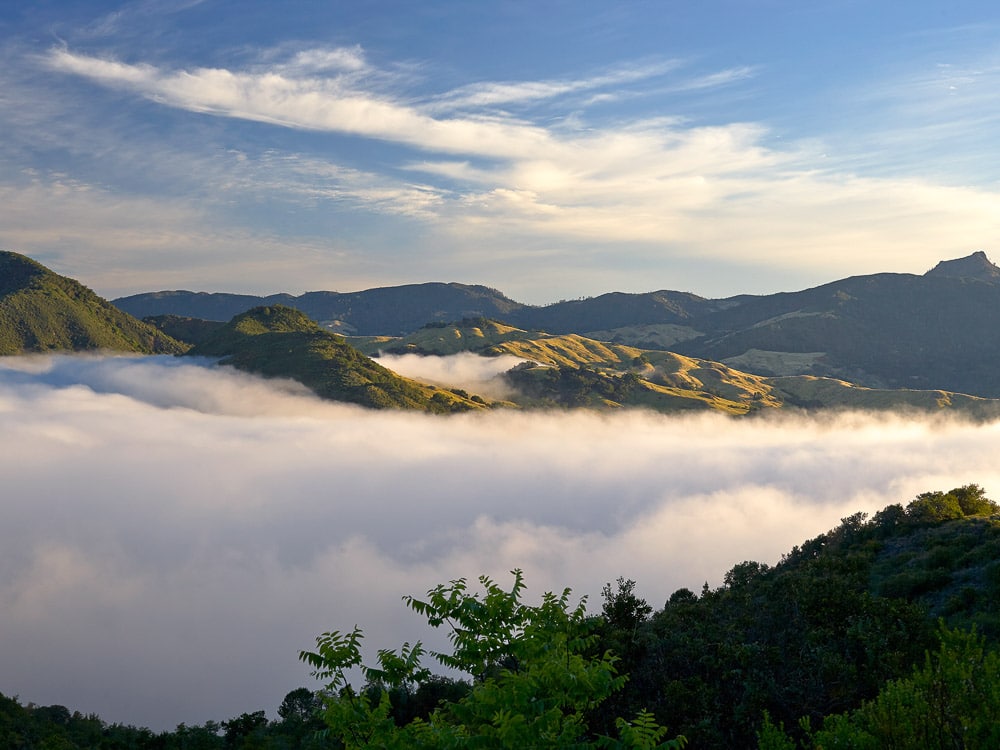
column 969, row 500
column 244, row 727
column 300, row 704
column 534, row 677
column 952, row 701
column 622, row 608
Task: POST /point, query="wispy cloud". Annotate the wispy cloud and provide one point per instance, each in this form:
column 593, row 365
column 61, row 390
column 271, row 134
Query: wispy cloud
column 492, row 94
column 119, row 244
column 719, row 78
column 651, row 190
column 308, row 103
column 205, row 526
column 472, row 372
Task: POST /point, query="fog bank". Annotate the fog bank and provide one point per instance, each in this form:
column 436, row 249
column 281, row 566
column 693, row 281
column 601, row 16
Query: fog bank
column 174, row 533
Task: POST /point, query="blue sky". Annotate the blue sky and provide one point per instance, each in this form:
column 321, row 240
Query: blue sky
column 549, row 149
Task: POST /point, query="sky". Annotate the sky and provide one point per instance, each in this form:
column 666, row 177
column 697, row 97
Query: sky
column 553, row 149
column 174, row 534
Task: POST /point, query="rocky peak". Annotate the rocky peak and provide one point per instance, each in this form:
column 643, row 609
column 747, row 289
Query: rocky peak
column 975, row 266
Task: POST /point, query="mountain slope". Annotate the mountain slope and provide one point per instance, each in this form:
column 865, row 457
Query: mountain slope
column 576, row 371
column 41, row 311
column 885, row 331
column 278, row 341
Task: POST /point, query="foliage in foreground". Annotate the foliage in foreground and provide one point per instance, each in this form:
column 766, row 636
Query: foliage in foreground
column 535, row 678
column 951, row 701
column 817, row 634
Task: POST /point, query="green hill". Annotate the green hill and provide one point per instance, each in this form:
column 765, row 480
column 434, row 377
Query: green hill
column 189, row 330
column 570, row 370
column 279, row 341
column 41, row 311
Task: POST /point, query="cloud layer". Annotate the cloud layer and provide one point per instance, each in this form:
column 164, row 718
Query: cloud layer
column 174, row 534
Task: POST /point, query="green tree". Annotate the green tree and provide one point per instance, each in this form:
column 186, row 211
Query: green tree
column 534, row 677
column 932, row 507
column 951, row 702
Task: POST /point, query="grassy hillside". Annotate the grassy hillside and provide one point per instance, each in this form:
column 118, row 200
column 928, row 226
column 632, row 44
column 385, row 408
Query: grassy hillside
column 467, row 335
column 279, row 341
column 809, row 392
column 41, row 311
column 571, row 370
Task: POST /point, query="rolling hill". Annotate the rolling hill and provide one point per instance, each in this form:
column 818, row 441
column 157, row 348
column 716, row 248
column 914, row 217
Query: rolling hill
column 570, row 370
column 279, row 341
column 936, row 331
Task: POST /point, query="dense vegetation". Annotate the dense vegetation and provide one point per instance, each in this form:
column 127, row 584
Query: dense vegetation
column 41, row 311
column 821, row 631
column 880, row 633
column 191, row 331
column 280, row 341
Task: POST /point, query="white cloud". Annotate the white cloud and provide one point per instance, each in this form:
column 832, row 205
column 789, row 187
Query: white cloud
column 165, row 518
column 119, row 244
column 491, row 94
column 464, row 370
column 657, row 188
column 309, row 103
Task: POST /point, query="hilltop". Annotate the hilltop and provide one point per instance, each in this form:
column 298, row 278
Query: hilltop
column 41, row 311
column 279, row 341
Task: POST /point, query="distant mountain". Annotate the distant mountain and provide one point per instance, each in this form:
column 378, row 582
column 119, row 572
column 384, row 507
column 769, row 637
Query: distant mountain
column 975, row 266
column 387, row 310
column 938, row 331
column 279, row 341
column 41, row 311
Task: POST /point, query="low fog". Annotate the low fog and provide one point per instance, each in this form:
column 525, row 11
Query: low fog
column 466, row 370
column 173, row 533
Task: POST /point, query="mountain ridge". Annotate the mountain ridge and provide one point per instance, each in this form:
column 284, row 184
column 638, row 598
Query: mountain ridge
column 935, row 331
